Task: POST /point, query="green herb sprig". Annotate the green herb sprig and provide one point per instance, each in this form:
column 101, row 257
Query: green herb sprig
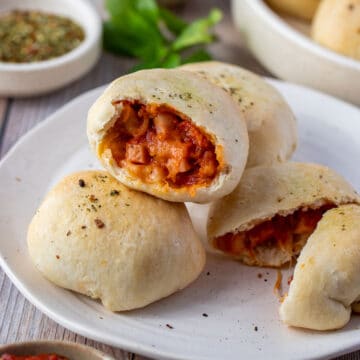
column 155, row 35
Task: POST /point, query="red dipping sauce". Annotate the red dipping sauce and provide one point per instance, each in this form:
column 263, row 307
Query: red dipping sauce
column 32, row 357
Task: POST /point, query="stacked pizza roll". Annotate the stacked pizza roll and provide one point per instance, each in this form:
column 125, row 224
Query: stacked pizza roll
column 205, row 133
column 161, row 135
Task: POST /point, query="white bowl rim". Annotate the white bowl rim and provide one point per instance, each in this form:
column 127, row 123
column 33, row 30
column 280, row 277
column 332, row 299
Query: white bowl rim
column 68, row 57
column 298, row 37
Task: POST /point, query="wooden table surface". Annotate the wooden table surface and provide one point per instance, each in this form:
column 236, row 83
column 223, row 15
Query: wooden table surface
column 19, row 320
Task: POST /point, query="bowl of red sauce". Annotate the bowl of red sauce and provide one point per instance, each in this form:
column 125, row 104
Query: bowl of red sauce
column 50, row 350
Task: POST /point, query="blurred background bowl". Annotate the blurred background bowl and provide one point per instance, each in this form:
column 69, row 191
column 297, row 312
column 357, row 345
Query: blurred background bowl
column 284, row 47
column 29, row 79
column 69, row 350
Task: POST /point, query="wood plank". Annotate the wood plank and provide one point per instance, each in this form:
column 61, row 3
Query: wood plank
column 3, row 105
column 3, row 112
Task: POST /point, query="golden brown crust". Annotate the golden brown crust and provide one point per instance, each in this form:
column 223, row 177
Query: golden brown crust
column 337, row 26
column 302, row 9
column 97, row 237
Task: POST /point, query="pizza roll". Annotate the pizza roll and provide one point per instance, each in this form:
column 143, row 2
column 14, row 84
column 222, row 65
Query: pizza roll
column 302, row 9
column 171, row 134
column 326, row 280
column 270, row 215
column 95, row 236
column 337, row 26
column 271, row 124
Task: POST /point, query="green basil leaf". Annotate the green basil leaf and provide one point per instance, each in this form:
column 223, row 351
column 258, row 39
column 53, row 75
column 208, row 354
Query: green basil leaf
column 124, row 42
column 175, row 24
column 134, row 23
column 118, row 8
column 136, row 28
column 116, row 41
column 148, row 9
column 197, row 56
column 146, row 65
column 153, row 52
column 171, row 61
column 197, row 32
column 140, row 22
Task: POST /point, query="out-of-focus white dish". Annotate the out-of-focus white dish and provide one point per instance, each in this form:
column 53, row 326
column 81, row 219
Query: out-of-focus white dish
column 284, row 47
column 29, row 79
column 70, row 350
column 241, row 310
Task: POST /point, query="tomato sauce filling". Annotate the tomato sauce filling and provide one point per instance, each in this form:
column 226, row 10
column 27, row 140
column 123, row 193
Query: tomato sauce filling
column 159, row 145
column 288, row 233
column 32, row 357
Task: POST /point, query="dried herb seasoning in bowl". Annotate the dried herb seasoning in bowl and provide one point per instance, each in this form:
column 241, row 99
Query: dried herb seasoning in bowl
column 45, row 45
column 28, row 36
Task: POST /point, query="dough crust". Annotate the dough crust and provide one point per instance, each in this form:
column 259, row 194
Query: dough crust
column 327, row 275
column 270, row 121
column 124, row 247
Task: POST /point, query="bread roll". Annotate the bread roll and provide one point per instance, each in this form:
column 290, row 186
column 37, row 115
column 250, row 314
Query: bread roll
column 302, row 9
column 171, row 134
column 94, row 236
column 326, row 280
column 270, row 215
column 271, row 123
column 337, row 26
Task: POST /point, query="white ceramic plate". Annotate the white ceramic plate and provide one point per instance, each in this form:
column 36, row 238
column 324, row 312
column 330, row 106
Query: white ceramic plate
column 236, row 300
column 284, row 47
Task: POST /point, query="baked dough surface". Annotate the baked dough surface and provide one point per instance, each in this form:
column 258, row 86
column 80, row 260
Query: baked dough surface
column 271, row 124
column 303, row 9
column 124, row 247
column 327, row 275
column 337, row 26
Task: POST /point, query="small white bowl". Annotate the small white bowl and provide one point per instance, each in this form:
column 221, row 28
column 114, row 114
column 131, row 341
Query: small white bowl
column 72, row 351
column 29, row 79
column 290, row 54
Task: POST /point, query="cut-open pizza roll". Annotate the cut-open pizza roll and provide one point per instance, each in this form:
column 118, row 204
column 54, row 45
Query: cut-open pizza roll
column 95, row 236
column 326, row 280
column 270, row 121
column 268, row 218
column 171, row 134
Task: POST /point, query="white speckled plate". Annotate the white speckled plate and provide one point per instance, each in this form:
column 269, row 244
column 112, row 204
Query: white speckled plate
column 236, row 299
